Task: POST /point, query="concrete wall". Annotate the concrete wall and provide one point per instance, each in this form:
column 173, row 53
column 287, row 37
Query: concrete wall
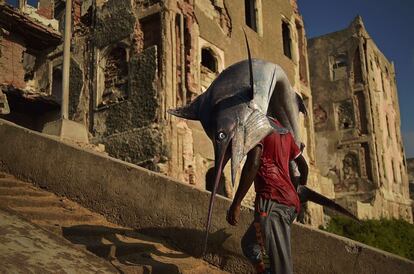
column 160, row 206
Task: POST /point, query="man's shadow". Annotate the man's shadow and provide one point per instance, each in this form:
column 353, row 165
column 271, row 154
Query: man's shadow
column 108, row 243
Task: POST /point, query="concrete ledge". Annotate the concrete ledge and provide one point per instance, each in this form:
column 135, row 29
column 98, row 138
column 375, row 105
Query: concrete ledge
column 161, row 206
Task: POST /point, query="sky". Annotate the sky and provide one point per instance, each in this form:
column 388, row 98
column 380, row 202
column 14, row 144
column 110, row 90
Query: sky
column 391, row 25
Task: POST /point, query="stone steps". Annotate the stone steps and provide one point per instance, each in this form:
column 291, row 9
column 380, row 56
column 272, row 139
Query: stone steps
column 130, row 252
column 22, row 201
column 22, row 191
column 11, row 182
column 53, row 214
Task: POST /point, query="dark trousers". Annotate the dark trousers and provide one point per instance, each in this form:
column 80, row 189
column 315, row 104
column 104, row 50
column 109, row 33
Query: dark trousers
column 267, row 241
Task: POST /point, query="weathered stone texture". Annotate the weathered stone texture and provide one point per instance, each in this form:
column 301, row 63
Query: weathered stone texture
column 127, row 128
column 76, row 83
column 357, row 123
column 140, row 108
column 142, row 146
column 410, row 169
column 115, row 21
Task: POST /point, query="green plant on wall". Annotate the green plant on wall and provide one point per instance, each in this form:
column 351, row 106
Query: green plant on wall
column 394, row 236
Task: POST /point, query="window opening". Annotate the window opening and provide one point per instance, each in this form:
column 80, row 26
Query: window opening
column 286, row 40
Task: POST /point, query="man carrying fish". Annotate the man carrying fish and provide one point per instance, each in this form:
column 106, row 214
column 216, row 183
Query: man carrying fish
column 267, row 242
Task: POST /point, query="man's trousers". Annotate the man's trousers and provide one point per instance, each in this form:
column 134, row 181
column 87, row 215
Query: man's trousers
column 267, row 241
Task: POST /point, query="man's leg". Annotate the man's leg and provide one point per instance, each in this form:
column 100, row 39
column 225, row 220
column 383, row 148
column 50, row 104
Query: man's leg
column 252, row 249
column 275, row 220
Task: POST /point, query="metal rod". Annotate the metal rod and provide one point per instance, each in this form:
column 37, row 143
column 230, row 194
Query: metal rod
column 66, row 60
column 183, row 70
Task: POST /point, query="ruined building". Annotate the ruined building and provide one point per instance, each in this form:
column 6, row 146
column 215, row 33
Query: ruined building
column 132, row 60
column 410, row 169
column 357, row 123
column 27, row 37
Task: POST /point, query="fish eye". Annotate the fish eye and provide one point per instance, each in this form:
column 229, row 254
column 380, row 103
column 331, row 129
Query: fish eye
column 221, row 136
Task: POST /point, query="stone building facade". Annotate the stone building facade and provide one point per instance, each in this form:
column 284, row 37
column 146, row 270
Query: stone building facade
column 132, row 60
column 215, row 41
column 357, row 123
column 410, row 168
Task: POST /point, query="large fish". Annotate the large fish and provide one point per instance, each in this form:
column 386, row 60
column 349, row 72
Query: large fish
column 234, row 113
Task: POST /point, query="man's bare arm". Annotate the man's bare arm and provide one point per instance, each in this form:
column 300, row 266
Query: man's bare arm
column 247, row 176
column 303, row 169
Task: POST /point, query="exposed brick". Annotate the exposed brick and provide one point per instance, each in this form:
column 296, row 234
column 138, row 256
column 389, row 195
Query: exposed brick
column 11, row 64
column 45, row 9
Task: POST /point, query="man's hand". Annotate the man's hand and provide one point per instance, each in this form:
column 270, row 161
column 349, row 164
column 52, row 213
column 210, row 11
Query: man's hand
column 246, row 179
column 303, row 169
column 233, row 214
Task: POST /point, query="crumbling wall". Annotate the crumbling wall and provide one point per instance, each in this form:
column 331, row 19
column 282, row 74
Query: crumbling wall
column 114, row 21
column 140, row 108
column 128, row 128
column 75, row 87
column 357, row 123
column 45, row 8
column 142, row 146
column 11, row 64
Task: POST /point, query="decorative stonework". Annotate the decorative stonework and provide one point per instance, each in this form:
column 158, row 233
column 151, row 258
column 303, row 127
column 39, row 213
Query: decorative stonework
column 319, row 116
column 361, row 149
column 345, row 114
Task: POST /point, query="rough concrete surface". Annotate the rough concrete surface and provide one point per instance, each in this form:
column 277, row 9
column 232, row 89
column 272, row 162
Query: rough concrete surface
column 157, row 205
column 25, row 248
column 128, row 251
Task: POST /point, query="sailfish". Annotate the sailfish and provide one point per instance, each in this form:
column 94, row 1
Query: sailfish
column 234, row 112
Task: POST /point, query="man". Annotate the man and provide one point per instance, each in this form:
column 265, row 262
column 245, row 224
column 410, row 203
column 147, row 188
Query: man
column 267, row 242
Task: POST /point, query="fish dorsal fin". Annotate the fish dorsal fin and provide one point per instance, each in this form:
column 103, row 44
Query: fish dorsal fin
column 190, row 111
column 301, row 104
column 251, row 93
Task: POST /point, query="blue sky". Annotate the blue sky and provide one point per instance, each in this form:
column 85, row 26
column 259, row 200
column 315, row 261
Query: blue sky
column 391, row 24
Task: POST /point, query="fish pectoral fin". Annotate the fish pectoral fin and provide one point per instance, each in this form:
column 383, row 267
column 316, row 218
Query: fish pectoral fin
column 256, row 128
column 190, row 111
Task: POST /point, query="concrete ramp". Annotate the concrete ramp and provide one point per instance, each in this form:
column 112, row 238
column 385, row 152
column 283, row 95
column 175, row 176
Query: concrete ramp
column 128, row 251
column 159, row 206
column 25, row 248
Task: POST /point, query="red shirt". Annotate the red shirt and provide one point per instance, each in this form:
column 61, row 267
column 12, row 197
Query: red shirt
column 272, row 181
